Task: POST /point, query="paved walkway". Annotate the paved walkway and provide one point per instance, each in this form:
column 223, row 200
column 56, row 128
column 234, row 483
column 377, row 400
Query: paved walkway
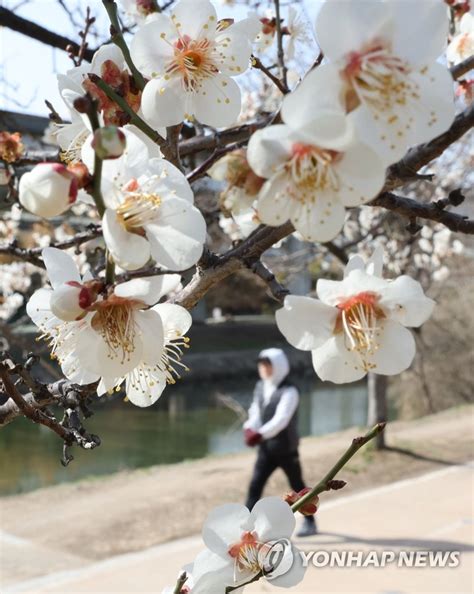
column 432, row 512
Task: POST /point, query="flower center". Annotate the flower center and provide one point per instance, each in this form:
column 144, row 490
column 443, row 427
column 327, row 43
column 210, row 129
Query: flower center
column 380, row 80
column 73, row 152
column 245, row 553
column 137, row 210
column 114, row 321
column 358, row 319
column 193, row 60
column 311, row 169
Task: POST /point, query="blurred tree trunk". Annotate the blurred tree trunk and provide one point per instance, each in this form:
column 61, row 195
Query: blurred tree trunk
column 377, row 405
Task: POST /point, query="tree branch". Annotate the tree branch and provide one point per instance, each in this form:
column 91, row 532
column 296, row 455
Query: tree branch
column 462, row 68
column 33, row 255
column 432, row 211
column 257, row 63
column 16, row 23
column 420, row 155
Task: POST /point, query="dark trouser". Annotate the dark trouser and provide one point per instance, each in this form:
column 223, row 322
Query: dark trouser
column 265, row 465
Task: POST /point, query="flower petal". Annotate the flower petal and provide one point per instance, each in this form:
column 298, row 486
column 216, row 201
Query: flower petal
column 294, row 575
column 76, row 373
column 272, row 518
column 396, row 349
column 268, row 149
column 420, row 30
column 195, row 18
column 224, row 526
column 149, row 290
column 152, row 331
column 362, row 174
column 39, row 309
column 171, row 178
column 60, row 267
column 357, row 281
column 129, row 250
column 406, row 301
column 344, row 27
column 177, row 237
column 218, row 101
column 234, row 46
column 151, row 46
column 274, row 206
column 433, row 114
column 144, row 385
column 335, row 363
column 164, row 101
column 97, row 356
column 175, row 319
column 320, row 220
column 305, row 323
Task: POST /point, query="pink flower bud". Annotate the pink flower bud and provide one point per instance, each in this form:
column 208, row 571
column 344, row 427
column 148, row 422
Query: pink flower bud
column 48, row 189
column 70, row 301
column 109, row 142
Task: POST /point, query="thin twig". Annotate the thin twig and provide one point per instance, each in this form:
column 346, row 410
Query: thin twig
column 118, row 38
column 324, row 483
column 33, row 255
column 257, row 63
column 281, row 53
column 135, row 119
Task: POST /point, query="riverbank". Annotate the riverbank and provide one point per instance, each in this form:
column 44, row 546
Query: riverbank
column 130, row 511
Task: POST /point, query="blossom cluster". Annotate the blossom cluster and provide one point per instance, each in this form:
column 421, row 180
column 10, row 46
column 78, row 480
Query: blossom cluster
column 340, row 128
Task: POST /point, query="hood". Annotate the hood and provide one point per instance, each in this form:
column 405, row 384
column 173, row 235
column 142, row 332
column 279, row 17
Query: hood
column 280, row 364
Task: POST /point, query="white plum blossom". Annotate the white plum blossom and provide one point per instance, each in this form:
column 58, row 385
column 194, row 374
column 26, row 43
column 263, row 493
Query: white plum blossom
column 462, row 45
column 241, row 543
column 299, row 33
column 108, row 63
column 315, row 167
column 242, row 184
column 149, row 211
column 122, row 337
column 266, row 35
column 239, row 226
column 139, row 11
column 191, row 58
column 358, row 325
column 48, row 190
column 385, row 55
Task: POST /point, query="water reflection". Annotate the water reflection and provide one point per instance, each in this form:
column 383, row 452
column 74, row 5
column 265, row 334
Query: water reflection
column 188, row 423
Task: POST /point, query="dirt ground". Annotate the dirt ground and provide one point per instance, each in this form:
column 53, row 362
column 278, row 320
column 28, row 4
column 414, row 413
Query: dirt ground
column 130, row 511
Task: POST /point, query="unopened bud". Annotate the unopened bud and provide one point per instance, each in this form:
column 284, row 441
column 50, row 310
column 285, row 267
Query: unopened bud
column 83, row 104
column 146, row 7
column 310, row 507
column 70, row 301
column 80, row 171
column 109, row 142
column 48, row 189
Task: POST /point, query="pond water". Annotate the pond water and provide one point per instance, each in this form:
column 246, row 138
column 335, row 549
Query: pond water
column 190, row 421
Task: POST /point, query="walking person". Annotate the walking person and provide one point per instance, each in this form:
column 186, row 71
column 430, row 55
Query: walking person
column 273, row 426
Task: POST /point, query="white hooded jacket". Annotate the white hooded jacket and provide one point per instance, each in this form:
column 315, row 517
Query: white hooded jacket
column 288, row 402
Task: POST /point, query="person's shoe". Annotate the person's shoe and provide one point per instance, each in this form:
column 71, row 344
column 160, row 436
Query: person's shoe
column 308, row 528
